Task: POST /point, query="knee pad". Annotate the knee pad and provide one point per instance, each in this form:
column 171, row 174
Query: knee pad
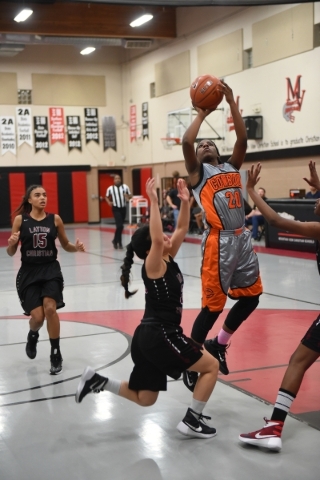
column 249, row 303
column 203, row 324
column 241, row 311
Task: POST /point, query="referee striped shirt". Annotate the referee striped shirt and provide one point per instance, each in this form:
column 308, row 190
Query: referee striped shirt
column 116, row 194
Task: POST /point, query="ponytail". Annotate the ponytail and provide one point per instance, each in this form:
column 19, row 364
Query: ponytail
column 140, row 244
column 126, row 268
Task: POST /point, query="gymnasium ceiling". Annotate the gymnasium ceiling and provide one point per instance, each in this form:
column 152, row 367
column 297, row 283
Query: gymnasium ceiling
column 102, row 23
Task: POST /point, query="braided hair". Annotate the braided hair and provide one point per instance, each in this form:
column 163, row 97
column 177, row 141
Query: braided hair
column 140, row 244
column 25, row 206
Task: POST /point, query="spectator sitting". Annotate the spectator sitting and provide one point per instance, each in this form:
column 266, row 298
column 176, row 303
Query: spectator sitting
column 255, row 218
column 314, row 193
column 172, row 198
column 247, row 208
column 196, row 215
column 167, row 217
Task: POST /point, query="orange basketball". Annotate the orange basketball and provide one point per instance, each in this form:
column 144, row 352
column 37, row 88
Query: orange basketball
column 204, row 93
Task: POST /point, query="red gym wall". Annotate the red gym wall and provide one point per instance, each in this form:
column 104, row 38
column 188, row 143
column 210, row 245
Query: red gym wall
column 66, row 190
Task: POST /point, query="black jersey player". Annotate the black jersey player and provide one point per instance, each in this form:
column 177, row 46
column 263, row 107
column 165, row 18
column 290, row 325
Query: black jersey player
column 159, row 347
column 308, row 350
column 39, row 280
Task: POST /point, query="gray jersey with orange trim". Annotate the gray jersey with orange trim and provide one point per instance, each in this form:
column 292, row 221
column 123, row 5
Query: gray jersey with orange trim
column 219, row 195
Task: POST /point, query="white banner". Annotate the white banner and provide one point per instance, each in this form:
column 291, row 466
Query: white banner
column 24, row 126
column 8, row 135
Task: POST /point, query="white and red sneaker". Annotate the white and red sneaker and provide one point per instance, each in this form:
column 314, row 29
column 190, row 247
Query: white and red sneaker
column 268, row 437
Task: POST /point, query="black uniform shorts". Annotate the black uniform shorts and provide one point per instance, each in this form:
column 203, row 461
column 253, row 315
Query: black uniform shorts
column 312, row 337
column 36, row 282
column 157, row 351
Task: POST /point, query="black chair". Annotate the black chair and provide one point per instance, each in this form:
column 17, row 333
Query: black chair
column 261, row 231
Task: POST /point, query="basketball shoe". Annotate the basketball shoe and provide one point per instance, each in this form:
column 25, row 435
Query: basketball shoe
column 31, row 346
column 193, row 425
column 190, row 379
column 56, row 363
column 268, row 436
column 90, row 382
column 219, row 352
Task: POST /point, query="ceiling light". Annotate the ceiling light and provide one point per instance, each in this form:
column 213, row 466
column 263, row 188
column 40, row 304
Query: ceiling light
column 23, row 15
column 141, row 20
column 87, row 50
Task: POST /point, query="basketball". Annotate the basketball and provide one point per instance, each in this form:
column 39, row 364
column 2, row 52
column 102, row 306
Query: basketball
column 204, row 93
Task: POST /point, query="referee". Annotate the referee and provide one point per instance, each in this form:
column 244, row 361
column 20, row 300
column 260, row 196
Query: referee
column 116, row 196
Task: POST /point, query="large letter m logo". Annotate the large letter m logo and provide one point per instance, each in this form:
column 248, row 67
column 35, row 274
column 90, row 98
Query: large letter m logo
column 294, row 99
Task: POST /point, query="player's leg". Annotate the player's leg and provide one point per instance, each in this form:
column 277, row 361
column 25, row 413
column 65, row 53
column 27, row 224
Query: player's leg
column 32, row 304
column 194, row 424
column 53, row 327
column 245, row 287
column 304, row 356
column 213, row 300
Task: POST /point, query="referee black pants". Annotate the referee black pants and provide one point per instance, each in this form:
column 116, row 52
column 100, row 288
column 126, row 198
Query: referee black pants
column 119, row 214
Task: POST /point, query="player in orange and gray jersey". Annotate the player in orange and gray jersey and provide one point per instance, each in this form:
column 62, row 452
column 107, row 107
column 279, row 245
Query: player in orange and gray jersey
column 229, row 266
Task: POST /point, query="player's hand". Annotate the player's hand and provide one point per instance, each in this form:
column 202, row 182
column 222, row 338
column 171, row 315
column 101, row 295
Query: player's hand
column 253, row 176
column 226, row 90
column 313, row 181
column 204, row 112
column 13, row 239
column 80, row 246
column 183, row 192
column 151, row 190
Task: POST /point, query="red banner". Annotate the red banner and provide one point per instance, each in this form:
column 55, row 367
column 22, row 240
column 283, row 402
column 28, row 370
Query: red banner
column 57, row 133
column 133, row 123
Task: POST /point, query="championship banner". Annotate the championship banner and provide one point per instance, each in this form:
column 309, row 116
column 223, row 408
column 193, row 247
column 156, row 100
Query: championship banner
column 24, row 126
column 41, row 133
column 8, row 135
column 109, row 133
column 57, row 133
column 74, row 132
column 91, row 124
column 133, row 123
column 145, row 121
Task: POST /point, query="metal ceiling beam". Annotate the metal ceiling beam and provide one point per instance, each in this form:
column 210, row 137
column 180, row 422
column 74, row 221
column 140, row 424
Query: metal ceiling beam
column 197, row 3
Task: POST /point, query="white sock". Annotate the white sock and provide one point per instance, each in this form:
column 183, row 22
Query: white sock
column 112, row 386
column 197, row 406
column 284, row 401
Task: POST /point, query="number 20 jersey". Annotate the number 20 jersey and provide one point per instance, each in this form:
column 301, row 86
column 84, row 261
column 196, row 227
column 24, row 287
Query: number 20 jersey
column 38, row 240
column 219, row 194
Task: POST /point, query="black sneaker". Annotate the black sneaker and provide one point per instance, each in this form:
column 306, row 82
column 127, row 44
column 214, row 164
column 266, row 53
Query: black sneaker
column 190, row 379
column 193, row 425
column 219, row 352
column 115, row 245
column 90, row 382
column 56, row 363
column 31, row 346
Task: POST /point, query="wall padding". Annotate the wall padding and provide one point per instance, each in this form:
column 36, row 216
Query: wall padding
column 283, row 35
column 17, row 189
column 8, row 89
column 74, row 90
column 5, row 212
column 80, row 197
column 50, row 184
column 173, row 74
column 65, row 196
column 222, row 56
